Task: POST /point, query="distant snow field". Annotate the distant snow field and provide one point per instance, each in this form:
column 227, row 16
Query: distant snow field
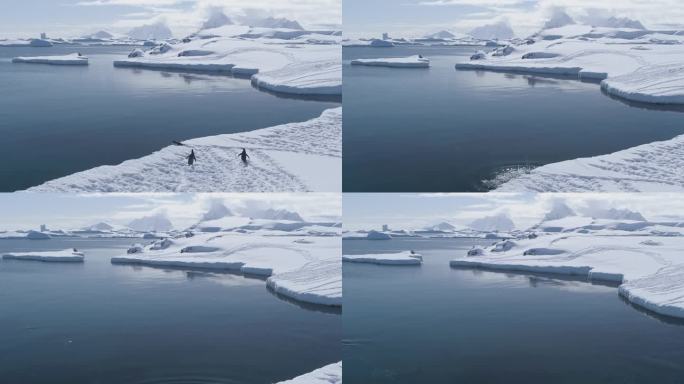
column 292, row 157
column 401, row 258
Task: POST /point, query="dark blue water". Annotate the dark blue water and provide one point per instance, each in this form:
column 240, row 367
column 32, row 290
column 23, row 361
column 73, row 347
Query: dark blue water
column 57, row 120
column 435, row 324
column 443, row 130
column 100, row 323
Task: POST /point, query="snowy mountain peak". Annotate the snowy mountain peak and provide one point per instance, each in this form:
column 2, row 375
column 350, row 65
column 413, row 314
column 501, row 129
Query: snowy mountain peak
column 558, row 19
column 619, row 22
column 154, row 223
column 281, row 22
column 500, row 30
column 99, row 227
column 497, row 223
column 217, row 210
column 442, row 227
column 101, row 35
column 216, row 19
column 619, row 214
column 559, row 211
column 441, row 35
column 157, row 31
column 280, row 214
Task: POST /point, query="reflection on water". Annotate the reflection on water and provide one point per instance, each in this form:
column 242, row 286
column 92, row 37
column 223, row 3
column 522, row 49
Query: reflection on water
column 448, row 130
column 99, row 323
column 439, row 324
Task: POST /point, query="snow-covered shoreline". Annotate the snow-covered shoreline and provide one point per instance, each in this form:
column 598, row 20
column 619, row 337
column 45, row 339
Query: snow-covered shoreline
column 653, row 167
column 308, row 271
column 72, row 59
column 330, row 374
column 303, row 156
column 643, row 258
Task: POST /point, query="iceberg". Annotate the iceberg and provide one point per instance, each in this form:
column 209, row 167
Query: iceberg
column 330, row 374
column 67, row 255
column 72, row 59
column 395, row 62
column 292, row 157
column 650, row 272
column 308, row 271
column 401, row 258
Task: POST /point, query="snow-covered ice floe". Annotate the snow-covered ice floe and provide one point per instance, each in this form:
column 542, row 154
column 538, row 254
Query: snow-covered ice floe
column 279, row 60
column 73, row 59
column 644, row 258
column 400, row 258
column 308, row 271
column 67, row 255
column 634, row 64
column 330, row 374
column 654, row 167
column 395, row 62
column 291, row 157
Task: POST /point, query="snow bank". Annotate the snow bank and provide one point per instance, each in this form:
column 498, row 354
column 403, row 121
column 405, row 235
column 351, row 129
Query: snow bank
column 651, row 276
column 330, row 374
column 654, row 167
column 73, row 59
column 300, row 63
column 292, row 157
column 401, row 258
column 395, row 62
column 67, row 255
column 308, row 271
column 638, row 65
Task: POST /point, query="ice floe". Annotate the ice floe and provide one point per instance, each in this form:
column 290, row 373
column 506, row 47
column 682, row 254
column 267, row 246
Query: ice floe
column 67, row 255
column 72, row 59
column 330, row 374
column 292, row 157
column 415, row 61
column 644, row 257
column 400, row 258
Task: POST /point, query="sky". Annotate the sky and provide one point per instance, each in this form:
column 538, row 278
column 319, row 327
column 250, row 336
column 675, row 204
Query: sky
column 415, row 211
column 411, row 18
column 73, row 18
column 23, row 211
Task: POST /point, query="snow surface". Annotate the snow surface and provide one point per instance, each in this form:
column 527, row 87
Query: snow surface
column 67, row 255
column 395, row 62
column 653, row 167
column 401, row 258
column 634, row 64
column 309, row 271
column 330, row 374
column 72, row 59
column 280, row 60
column 292, row 157
column 644, row 257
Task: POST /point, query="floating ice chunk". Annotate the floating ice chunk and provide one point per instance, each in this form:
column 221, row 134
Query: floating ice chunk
column 395, row 62
column 35, row 235
column 479, row 55
column 330, row 374
column 67, row 255
column 73, row 59
column 303, row 78
column 319, row 282
column 659, row 84
column 136, row 53
column 381, row 43
column 401, row 258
